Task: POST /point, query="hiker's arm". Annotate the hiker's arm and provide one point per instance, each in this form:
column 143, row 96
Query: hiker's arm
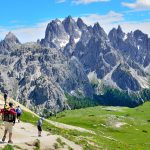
column 13, row 112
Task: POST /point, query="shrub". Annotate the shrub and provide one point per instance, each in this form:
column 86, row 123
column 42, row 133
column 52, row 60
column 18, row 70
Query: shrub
column 8, row 147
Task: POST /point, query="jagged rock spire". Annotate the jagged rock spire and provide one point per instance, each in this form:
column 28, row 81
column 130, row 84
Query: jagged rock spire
column 11, row 38
column 81, row 24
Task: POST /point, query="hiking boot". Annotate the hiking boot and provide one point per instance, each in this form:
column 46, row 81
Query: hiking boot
column 3, row 139
column 10, row 142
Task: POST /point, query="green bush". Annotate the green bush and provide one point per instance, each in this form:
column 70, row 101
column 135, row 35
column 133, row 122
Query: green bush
column 8, row 147
column 37, row 145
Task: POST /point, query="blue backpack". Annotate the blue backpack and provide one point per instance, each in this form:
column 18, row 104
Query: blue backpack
column 18, row 111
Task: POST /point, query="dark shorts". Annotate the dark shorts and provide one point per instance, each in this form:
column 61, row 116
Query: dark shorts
column 18, row 115
column 39, row 128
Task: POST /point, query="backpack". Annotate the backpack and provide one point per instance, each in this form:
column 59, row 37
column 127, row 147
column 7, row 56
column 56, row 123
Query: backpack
column 19, row 111
column 7, row 116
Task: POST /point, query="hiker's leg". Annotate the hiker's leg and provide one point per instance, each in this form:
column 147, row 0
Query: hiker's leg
column 5, row 133
column 10, row 136
column 18, row 118
column 4, row 137
column 6, row 124
column 10, row 131
column 39, row 130
column 39, row 133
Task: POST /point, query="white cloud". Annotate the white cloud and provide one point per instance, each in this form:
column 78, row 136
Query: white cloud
column 138, row 5
column 88, row 1
column 26, row 34
column 103, row 19
column 60, row 1
column 113, row 19
column 132, row 26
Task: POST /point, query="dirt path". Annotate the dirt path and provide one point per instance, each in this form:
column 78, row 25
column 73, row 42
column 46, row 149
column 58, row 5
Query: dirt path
column 25, row 135
column 70, row 127
column 56, row 124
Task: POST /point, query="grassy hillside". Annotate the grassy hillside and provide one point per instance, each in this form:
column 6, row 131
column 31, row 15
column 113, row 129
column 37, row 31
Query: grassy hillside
column 115, row 127
column 30, row 117
column 71, row 135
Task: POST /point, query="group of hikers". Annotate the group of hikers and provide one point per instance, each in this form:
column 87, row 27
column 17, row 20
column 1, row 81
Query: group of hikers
column 9, row 117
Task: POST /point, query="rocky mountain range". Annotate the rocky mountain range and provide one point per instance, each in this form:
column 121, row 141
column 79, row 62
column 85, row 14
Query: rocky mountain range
column 73, row 58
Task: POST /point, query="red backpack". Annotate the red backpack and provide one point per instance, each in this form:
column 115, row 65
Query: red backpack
column 7, row 116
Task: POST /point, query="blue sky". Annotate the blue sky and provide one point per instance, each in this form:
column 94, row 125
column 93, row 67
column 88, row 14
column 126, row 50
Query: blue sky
column 28, row 18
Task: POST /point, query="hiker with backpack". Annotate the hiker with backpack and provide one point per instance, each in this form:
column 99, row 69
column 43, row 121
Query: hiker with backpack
column 9, row 117
column 39, row 126
column 19, row 113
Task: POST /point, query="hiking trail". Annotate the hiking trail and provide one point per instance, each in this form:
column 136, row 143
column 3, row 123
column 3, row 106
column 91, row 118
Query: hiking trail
column 25, row 136
column 56, row 124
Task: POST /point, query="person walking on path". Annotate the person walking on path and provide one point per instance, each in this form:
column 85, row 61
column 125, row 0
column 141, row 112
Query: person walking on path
column 19, row 113
column 9, row 117
column 39, row 126
column 5, row 96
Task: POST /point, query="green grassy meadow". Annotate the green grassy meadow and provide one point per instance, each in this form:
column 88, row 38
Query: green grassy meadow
column 114, row 127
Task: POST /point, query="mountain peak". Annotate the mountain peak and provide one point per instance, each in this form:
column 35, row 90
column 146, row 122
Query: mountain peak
column 56, row 21
column 120, row 31
column 116, row 33
column 119, row 28
column 80, row 21
column 71, row 27
column 140, row 34
column 10, row 37
column 97, row 26
column 99, row 31
column 69, row 19
column 81, row 24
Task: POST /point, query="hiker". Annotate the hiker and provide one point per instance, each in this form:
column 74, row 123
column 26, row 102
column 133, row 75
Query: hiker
column 19, row 113
column 5, row 96
column 9, row 117
column 39, row 125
